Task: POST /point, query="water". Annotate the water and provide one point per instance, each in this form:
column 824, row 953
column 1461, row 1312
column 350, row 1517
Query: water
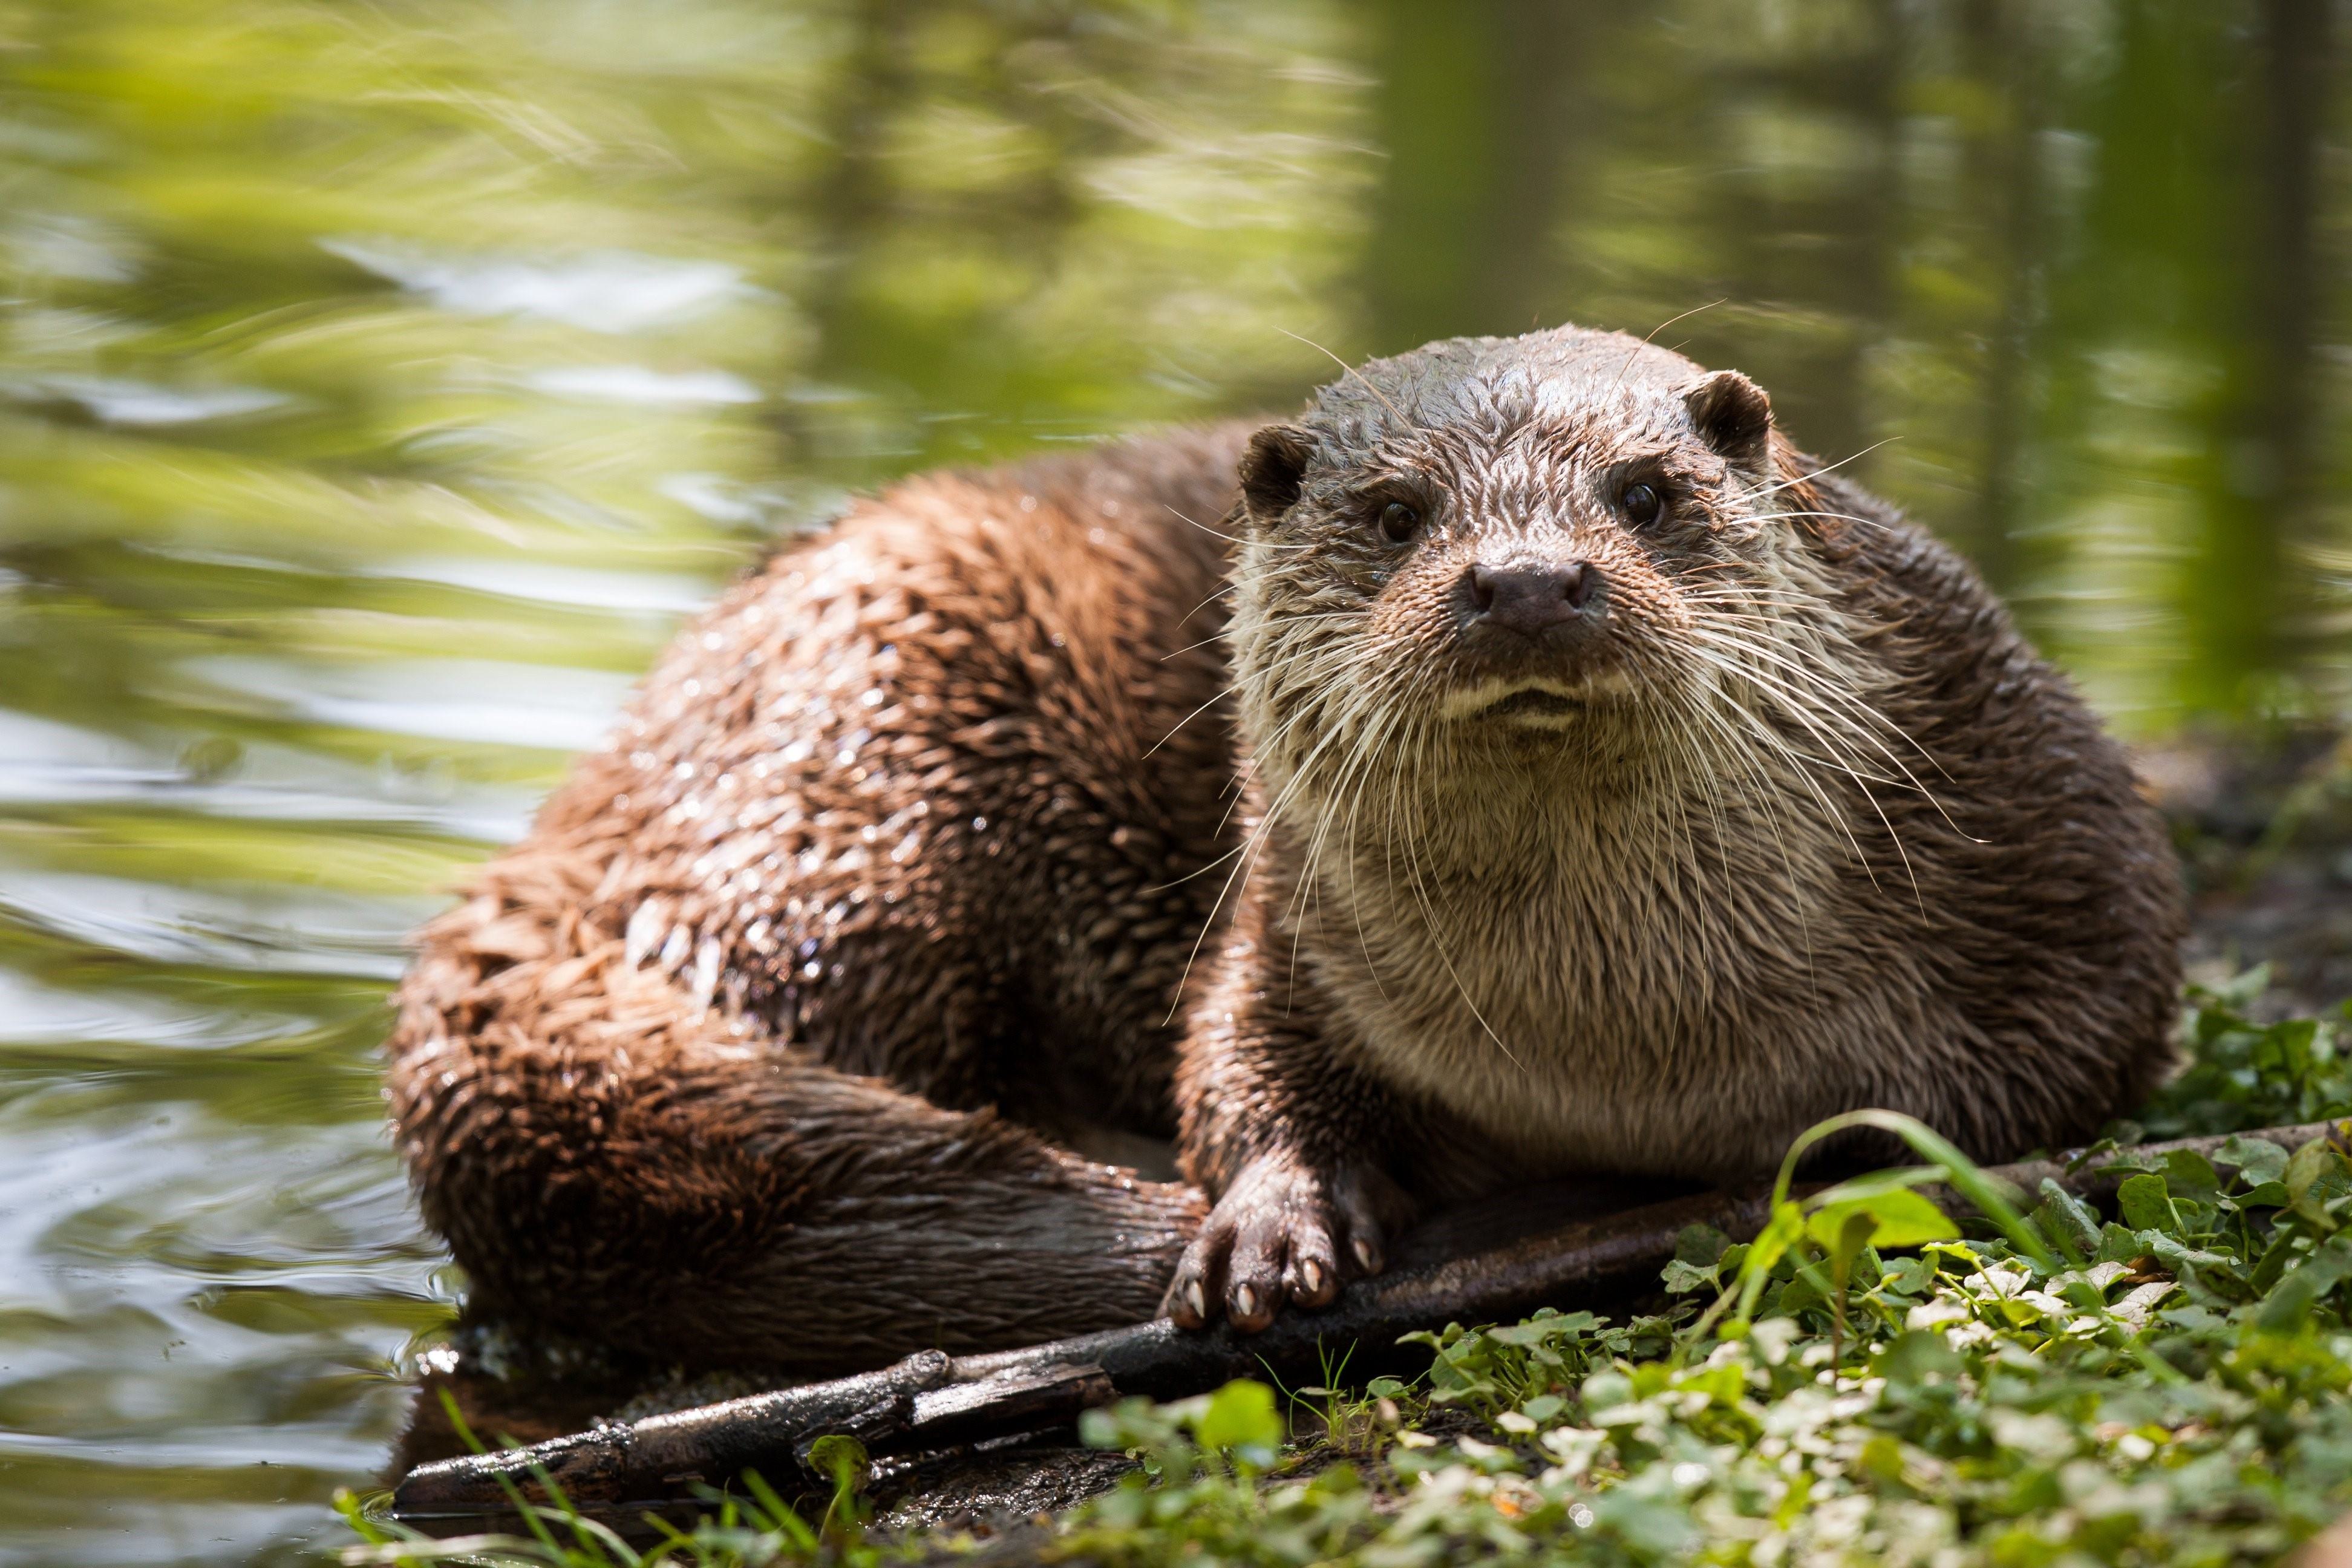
column 380, row 383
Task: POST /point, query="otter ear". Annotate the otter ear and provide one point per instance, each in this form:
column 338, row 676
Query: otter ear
column 1733, row 416
column 1272, row 469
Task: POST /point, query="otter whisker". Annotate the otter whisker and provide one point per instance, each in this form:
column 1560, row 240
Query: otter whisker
column 1254, row 846
column 1234, row 539
column 1437, row 940
column 1245, row 859
column 1347, row 725
column 1851, row 712
column 1348, row 370
column 1767, row 803
column 1294, row 620
column 1803, row 774
column 1825, row 467
column 1798, row 691
column 1216, row 594
column 1363, row 779
column 1805, row 715
column 1356, row 901
column 1834, row 516
column 1652, row 336
column 1846, row 696
column 1353, row 780
column 1188, row 718
column 1796, row 694
column 1782, row 650
column 1237, row 687
column 1693, row 924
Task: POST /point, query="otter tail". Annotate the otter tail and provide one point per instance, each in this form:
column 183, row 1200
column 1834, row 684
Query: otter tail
column 609, row 1158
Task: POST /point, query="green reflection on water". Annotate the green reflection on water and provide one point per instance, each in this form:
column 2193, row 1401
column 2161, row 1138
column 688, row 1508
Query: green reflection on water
column 380, row 383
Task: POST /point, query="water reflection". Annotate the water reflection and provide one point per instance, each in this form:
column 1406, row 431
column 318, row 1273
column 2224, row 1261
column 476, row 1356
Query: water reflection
column 379, row 383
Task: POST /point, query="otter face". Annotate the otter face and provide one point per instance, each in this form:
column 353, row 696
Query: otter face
column 1558, row 542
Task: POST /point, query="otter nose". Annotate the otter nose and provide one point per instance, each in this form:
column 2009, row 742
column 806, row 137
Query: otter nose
column 1531, row 598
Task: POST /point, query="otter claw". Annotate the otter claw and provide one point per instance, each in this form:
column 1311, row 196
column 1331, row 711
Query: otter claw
column 1283, row 1235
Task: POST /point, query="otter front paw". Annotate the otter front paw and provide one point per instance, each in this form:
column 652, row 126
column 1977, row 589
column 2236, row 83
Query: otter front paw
column 1282, row 1232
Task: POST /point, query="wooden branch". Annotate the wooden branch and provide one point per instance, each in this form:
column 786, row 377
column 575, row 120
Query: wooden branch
column 932, row 1401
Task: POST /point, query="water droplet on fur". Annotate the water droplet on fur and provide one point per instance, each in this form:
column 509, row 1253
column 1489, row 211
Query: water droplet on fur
column 644, row 930
column 706, row 971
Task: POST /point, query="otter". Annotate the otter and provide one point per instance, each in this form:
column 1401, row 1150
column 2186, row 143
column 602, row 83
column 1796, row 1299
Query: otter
column 1525, row 763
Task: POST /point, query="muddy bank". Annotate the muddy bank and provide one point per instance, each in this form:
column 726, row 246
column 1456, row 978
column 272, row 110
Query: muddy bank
column 2265, row 831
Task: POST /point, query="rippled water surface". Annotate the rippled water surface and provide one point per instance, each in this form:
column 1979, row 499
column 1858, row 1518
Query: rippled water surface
column 380, row 383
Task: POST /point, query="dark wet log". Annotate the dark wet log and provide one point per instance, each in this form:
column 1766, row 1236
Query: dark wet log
column 666, row 1453
column 1019, row 1401
column 933, row 1401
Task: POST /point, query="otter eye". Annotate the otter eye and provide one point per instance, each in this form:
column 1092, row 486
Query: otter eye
column 1399, row 520
column 1642, row 503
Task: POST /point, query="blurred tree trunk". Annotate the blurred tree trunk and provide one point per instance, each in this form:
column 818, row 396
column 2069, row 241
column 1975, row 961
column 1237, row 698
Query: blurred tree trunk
column 2243, row 597
column 2002, row 53
column 1478, row 113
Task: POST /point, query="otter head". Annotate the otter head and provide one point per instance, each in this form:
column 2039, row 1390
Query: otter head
column 1532, row 554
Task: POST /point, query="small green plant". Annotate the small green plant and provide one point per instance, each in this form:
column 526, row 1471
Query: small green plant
column 1521, row 1366
column 1344, row 1421
column 2243, row 1074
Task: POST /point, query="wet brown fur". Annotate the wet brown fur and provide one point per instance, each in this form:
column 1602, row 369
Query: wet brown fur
column 769, row 1043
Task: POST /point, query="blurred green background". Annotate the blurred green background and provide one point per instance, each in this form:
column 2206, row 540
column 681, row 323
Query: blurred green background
column 381, row 381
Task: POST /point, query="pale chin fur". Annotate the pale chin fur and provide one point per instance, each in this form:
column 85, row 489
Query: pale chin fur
column 1473, row 702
